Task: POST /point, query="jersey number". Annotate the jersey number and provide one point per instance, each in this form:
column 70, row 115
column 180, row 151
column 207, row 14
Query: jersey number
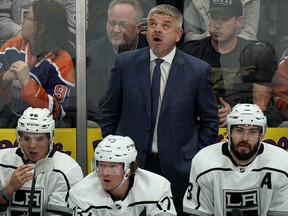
column 189, row 191
column 161, row 203
column 60, row 92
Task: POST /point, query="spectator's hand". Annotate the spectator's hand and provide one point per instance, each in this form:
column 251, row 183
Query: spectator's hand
column 223, row 112
column 22, row 71
column 20, row 176
column 9, row 76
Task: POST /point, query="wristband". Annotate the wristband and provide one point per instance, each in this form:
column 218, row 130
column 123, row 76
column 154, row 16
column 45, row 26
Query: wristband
column 4, row 195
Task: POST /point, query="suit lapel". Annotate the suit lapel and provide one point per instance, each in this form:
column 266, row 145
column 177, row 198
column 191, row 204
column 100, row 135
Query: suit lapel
column 175, row 76
column 143, row 68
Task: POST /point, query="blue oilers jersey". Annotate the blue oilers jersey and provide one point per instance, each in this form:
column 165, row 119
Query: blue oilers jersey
column 51, row 78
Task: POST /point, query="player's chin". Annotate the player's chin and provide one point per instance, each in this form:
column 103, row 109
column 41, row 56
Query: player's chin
column 243, row 155
column 106, row 185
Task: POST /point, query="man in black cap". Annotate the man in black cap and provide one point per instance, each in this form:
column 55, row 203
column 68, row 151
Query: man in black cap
column 228, row 8
column 241, row 69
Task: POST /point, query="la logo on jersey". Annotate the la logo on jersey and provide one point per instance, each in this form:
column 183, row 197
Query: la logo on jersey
column 247, row 201
column 20, row 202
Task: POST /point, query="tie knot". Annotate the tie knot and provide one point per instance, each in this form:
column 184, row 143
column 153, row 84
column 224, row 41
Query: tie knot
column 158, row 61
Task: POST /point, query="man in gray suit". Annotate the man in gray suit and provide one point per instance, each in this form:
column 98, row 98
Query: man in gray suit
column 186, row 118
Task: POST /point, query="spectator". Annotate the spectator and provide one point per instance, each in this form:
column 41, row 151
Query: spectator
column 280, row 90
column 131, row 106
column 97, row 28
column 123, row 28
column 241, row 69
column 240, row 176
column 118, row 187
column 98, row 18
column 12, row 13
column 196, row 19
column 54, row 172
column 35, row 68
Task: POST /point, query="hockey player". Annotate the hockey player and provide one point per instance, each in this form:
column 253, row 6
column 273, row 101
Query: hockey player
column 242, row 175
column 118, row 187
column 54, row 172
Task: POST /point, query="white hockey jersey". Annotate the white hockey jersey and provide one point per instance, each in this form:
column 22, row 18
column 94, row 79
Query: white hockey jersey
column 149, row 195
column 51, row 188
column 217, row 185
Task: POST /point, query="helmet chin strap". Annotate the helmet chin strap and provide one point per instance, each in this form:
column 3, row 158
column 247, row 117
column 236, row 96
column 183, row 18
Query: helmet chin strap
column 125, row 177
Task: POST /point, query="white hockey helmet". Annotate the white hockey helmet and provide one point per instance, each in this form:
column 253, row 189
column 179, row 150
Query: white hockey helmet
column 117, row 149
column 246, row 114
column 36, row 120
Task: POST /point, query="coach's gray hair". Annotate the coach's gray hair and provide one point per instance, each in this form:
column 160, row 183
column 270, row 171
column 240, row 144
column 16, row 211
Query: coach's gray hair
column 165, row 9
column 134, row 3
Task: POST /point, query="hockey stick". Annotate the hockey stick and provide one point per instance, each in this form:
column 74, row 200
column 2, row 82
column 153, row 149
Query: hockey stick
column 41, row 166
column 236, row 212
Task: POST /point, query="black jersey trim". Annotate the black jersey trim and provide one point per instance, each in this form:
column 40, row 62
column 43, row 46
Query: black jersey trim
column 8, row 166
column 270, row 169
column 198, row 198
column 67, row 183
column 213, row 169
column 142, row 202
column 130, row 205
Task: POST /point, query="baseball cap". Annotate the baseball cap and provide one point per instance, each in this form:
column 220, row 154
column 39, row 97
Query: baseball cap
column 227, row 8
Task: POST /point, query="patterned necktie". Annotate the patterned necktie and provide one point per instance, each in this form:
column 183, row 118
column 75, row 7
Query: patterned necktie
column 155, row 90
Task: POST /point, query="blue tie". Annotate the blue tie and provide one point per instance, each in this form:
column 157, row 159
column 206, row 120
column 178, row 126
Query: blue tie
column 155, row 91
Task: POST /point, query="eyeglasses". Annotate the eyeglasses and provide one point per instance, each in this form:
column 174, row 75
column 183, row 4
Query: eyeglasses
column 27, row 17
column 121, row 25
